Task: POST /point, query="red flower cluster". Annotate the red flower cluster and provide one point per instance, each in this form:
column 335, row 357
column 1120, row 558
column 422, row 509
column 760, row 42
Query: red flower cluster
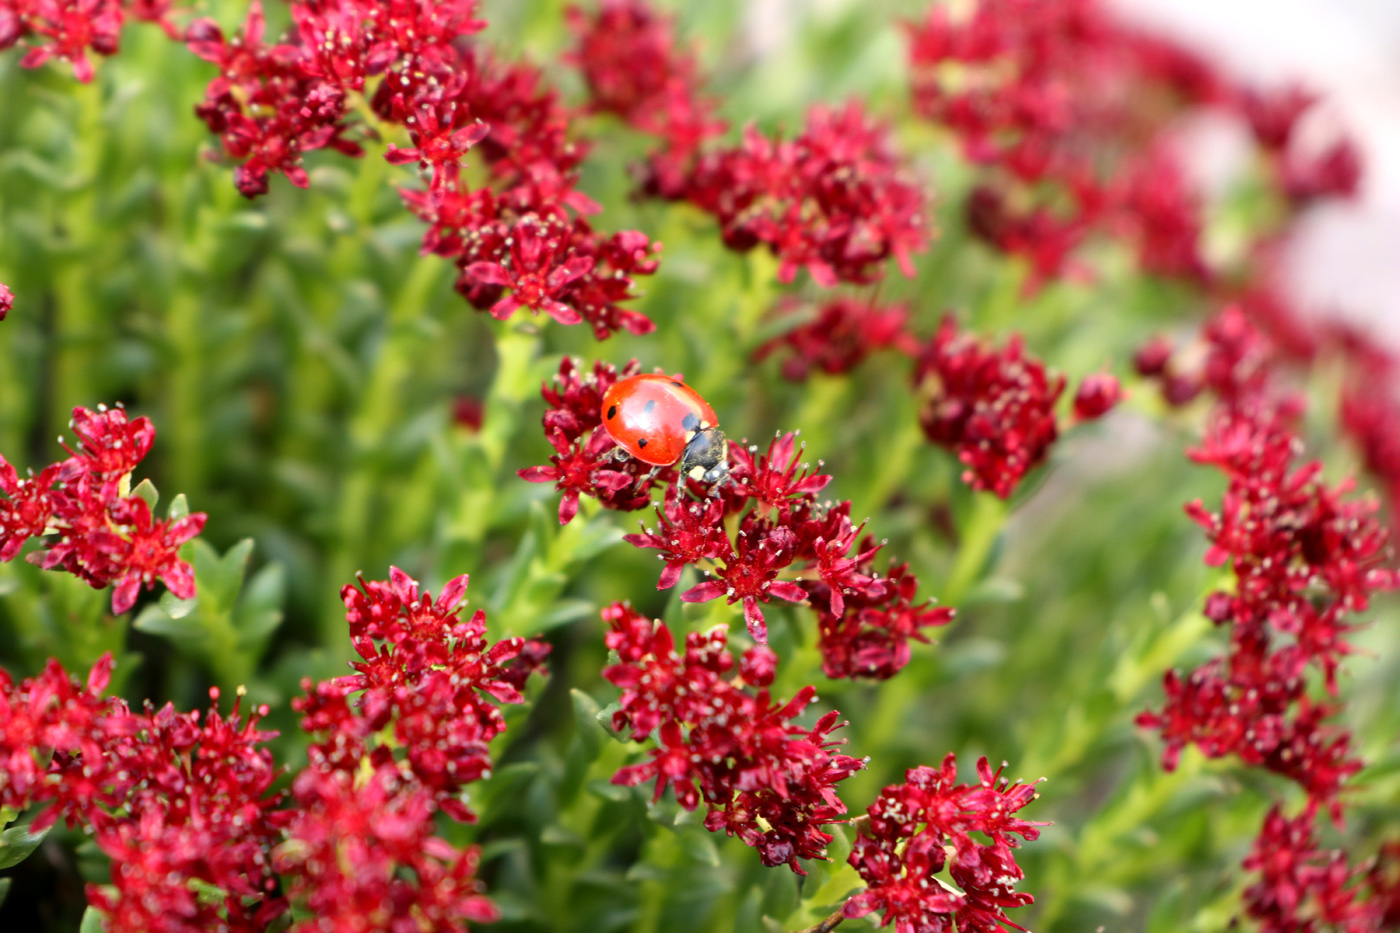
column 584, row 462
column 425, row 676
column 996, row 408
column 523, row 232
column 919, row 828
column 182, row 809
column 69, row 29
column 7, row 300
column 1304, row 173
column 103, row 535
column 1303, row 559
column 836, row 200
column 628, row 56
column 1050, row 96
column 364, row 856
column 1302, row 887
column 362, row 847
column 843, row 332
column 724, row 741
column 786, row 544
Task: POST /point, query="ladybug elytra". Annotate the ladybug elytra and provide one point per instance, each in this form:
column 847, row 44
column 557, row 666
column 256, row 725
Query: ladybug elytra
column 662, row 421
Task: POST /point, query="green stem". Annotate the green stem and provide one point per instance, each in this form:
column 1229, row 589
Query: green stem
column 379, row 410
column 78, row 345
column 978, row 538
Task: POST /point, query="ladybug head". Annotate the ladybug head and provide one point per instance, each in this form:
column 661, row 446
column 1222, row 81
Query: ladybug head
column 706, row 456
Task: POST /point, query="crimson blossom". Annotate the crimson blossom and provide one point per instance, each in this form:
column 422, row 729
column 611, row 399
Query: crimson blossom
column 916, row 829
column 837, row 199
column 838, row 336
column 629, row 58
column 723, row 740
column 995, row 408
column 1047, row 102
column 97, row 531
column 1304, row 557
column 1303, row 887
column 522, row 239
column 69, row 29
column 785, row 543
column 7, row 300
column 183, row 808
column 394, row 744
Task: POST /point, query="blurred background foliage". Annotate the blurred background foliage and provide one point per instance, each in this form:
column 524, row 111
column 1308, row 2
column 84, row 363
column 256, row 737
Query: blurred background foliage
column 302, row 365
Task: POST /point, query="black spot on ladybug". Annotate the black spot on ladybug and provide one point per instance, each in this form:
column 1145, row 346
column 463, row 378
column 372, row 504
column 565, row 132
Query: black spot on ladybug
column 677, row 384
column 651, row 403
column 641, row 442
column 612, row 411
column 690, row 422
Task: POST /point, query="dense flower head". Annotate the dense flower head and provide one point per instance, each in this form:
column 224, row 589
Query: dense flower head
column 392, row 745
column 96, row 531
column 1304, row 557
column 520, row 240
column 7, row 300
column 917, row 829
column 1301, row 886
column 723, row 740
column 628, row 57
column 838, row 338
column 362, row 854
column 422, row 686
column 201, row 812
column 1302, row 554
column 66, row 29
column 995, row 408
column 631, row 62
column 782, row 537
column 1047, row 98
column 760, row 535
column 1096, row 396
column 869, row 634
column 584, row 462
column 836, row 200
column 181, row 806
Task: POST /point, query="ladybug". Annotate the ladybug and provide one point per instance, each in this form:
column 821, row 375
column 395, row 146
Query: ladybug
column 662, row 421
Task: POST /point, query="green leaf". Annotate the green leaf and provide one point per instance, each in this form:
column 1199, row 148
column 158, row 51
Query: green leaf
column 586, row 725
column 154, row 621
column 175, row 607
column 993, row 591
column 17, row 843
column 179, row 508
column 94, row 921
column 606, row 789
column 146, row 490
column 260, row 610
column 557, row 835
column 605, row 719
column 699, row 846
column 232, row 567
column 780, row 895
column 565, row 612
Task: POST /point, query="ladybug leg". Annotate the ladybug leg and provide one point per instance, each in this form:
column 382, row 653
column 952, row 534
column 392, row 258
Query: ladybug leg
column 614, row 455
column 651, row 474
column 719, row 484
